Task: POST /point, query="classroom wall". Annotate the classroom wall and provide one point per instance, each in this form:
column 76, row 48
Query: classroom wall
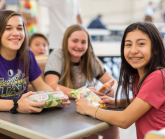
column 117, row 11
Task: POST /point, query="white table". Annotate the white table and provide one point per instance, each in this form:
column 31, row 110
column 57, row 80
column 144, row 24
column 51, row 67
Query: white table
column 109, row 54
column 117, row 27
column 106, row 48
column 122, row 27
column 159, row 25
column 98, row 32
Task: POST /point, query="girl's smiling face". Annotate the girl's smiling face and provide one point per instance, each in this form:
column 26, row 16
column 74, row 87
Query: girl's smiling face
column 137, row 50
column 13, row 35
column 77, row 45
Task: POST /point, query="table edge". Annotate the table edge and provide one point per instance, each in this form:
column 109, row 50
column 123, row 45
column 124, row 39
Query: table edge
column 36, row 135
column 87, row 131
column 23, row 131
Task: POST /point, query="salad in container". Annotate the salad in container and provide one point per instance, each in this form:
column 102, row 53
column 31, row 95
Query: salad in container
column 51, row 98
column 88, row 94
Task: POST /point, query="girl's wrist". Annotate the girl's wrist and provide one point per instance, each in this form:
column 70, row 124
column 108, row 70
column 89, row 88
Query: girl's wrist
column 91, row 110
column 96, row 111
column 112, row 102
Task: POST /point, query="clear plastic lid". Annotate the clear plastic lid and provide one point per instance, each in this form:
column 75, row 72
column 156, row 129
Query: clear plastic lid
column 44, row 96
column 51, row 98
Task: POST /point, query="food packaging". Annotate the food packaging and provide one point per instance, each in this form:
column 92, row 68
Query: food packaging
column 51, row 98
column 88, row 94
column 105, row 88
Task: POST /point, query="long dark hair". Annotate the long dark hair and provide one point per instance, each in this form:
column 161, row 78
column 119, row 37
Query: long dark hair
column 23, row 51
column 127, row 72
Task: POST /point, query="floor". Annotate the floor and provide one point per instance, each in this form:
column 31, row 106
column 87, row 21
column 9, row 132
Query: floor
column 129, row 133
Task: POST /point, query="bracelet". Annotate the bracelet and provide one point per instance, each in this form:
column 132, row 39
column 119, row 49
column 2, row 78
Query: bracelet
column 13, row 110
column 96, row 111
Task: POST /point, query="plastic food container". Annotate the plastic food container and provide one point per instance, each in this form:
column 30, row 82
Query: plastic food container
column 105, row 88
column 51, row 98
column 88, row 94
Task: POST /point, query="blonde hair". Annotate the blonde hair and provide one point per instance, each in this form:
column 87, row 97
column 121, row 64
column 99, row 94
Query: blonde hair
column 68, row 75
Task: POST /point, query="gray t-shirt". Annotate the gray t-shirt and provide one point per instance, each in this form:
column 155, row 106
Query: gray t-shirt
column 55, row 65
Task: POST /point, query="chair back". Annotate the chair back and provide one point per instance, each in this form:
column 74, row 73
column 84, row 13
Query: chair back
column 160, row 134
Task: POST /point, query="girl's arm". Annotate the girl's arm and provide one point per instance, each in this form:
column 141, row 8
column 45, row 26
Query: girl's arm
column 24, row 104
column 6, row 105
column 52, row 80
column 79, row 19
column 106, row 77
column 40, row 85
column 122, row 119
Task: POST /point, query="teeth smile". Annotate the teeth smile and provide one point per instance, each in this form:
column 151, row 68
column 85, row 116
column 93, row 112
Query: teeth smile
column 135, row 58
column 14, row 40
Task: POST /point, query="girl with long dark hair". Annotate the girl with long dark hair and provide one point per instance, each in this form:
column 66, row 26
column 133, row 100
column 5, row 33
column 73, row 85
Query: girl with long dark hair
column 143, row 71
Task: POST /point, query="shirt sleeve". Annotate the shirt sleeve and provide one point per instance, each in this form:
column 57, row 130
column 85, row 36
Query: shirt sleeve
column 54, row 63
column 34, row 70
column 153, row 89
